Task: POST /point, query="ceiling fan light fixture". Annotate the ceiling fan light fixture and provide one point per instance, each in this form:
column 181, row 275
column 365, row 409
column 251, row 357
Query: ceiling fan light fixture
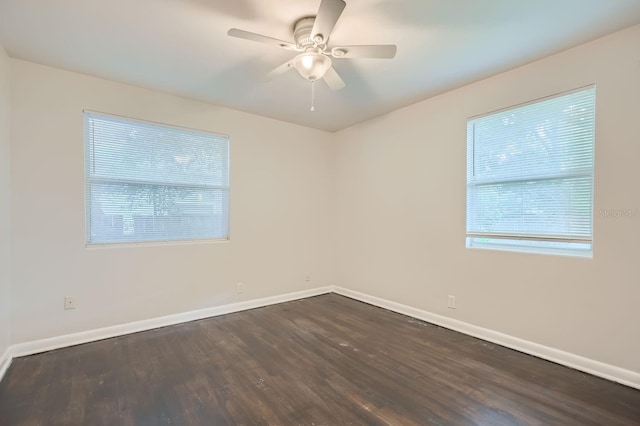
column 312, row 65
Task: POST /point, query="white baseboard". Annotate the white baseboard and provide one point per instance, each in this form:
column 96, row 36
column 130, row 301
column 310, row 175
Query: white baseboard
column 597, row 368
column 43, row 345
column 5, row 362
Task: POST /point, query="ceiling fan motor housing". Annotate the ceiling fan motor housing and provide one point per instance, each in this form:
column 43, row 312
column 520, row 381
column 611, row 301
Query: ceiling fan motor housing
column 302, row 32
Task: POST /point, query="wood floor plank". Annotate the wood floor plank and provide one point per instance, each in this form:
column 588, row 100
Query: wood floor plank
column 326, row 360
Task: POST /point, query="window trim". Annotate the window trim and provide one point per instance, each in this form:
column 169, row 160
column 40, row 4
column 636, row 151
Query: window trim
column 161, row 242
column 520, row 241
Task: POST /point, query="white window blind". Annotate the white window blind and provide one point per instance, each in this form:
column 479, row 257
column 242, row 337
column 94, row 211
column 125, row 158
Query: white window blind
column 150, row 182
column 530, row 176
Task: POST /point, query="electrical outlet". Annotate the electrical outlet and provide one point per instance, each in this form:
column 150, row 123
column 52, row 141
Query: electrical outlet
column 307, row 278
column 239, row 288
column 69, row 302
column 451, row 304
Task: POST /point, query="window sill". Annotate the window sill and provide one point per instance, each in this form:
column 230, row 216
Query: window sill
column 97, row 246
column 586, row 253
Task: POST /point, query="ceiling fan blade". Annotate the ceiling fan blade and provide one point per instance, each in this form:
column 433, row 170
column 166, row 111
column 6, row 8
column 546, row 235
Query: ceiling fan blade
column 333, row 80
column 328, row 14
column 279, row 70
column 234, row 32
column 382, row 51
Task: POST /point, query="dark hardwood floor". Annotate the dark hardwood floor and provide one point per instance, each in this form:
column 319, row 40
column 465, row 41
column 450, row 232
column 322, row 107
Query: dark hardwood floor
column 326, row 360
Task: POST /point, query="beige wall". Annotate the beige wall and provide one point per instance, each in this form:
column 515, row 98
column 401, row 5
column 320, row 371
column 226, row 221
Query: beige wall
column 279, row 211
column 378, row 208
column 401, row 197
column 5, row 247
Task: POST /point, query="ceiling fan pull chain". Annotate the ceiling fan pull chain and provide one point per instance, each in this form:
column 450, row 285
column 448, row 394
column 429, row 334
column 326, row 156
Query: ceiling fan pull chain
column 313, row 95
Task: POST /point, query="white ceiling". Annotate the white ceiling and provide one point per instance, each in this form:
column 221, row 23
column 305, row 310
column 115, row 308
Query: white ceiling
column 181, row 47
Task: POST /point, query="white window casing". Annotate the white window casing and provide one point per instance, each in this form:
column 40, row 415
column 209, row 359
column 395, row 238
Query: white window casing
column 149, row 182
column 530, row 176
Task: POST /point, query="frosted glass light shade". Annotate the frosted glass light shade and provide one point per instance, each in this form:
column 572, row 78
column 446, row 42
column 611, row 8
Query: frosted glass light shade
column 312, row 65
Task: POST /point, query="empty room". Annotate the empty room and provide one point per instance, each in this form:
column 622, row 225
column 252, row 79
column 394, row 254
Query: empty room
column 320, row 212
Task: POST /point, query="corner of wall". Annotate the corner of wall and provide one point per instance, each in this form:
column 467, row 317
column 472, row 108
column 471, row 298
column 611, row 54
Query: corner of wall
column 5, row 203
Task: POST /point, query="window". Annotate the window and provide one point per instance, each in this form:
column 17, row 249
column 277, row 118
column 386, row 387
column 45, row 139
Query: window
column 150, row 182
column 530, row 176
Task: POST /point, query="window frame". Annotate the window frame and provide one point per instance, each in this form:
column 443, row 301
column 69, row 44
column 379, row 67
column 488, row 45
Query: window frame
column 514, row 242
column 150, row 242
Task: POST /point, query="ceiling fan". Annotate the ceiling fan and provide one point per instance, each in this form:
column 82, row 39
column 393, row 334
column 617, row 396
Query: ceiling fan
column 311, row 35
